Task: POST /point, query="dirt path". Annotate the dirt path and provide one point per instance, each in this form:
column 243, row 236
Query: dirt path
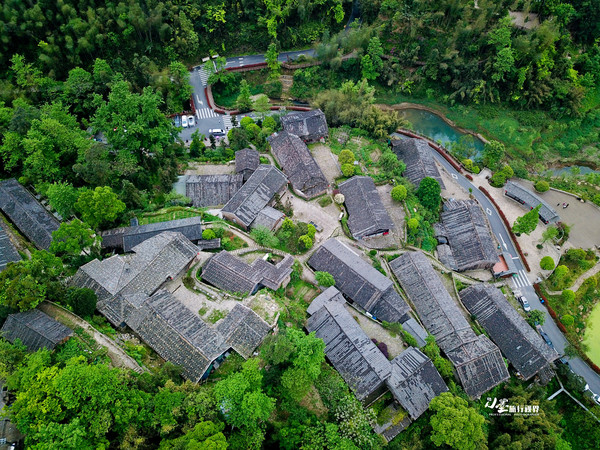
column 116, row 354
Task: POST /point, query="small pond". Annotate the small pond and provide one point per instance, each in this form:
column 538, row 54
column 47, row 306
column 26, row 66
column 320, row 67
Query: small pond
column 435, row 128
column 592, row 335
column 179, row 185
column 583, row 170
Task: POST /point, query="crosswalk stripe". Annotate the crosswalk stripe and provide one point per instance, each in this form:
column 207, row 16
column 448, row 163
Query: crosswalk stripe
column 203, row 75
column 205, row 113
column 525, row 279
column 227, row 122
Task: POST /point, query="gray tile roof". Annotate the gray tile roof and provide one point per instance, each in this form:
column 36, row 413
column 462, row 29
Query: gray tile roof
column 8, row 252
column 479, row 366
column 175, row 333
column 229, row 273
column 523, row 347
column 29, row 216
column 310, row 126
column 366, row 214
column 212, row 190
column 477, row 360
column 35, row 329
column 349, row 349
column 182, row 337
column 331, row 294
column 359, row 281
column 243, row 330
column 418, row 157
column 469, row 242
column 531, row 200
column 268, row 217
column 298, row 164
column 414, row 381
column 255, row 194
column 190, row 227
column 247, row 161
column 412, row 327
column 209, row 244
column 153, row 262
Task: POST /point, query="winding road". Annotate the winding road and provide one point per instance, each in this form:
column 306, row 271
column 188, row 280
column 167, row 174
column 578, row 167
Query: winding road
column 207, row 119
column 521, row 281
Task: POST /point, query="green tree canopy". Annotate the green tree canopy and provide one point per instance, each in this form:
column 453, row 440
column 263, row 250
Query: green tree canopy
column 100, row 206
column 205, row 435
column 83, row 301
column 547, row 263
column 346, row 157
column 536, row 316
column 549, row 233
column 528, row 222
column 73, row 238
column 241, row 399
column 324, row 279
column 265, row 237
column 23, row 285
column 429, row 194
column 541, row 186
column 62, row 197
column 347, row 170
column 208, row 234
column 244, row 102
column 567, row 296
column 398, row 193
column 134, row 126
column 455, row 423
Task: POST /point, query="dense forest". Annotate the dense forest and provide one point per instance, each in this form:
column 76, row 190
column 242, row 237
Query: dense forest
column 78, row 75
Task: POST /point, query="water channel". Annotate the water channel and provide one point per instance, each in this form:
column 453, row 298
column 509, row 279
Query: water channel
column 435, row 128
column 583, row 170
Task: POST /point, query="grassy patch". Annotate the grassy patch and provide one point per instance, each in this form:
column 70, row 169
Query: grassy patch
column 216, row 315
column 229, row 240
column 325, row 201
column 227, row 97
column 578, row 262
column 586, row 297
column 137, row 352
column 101, row 324
column 164, row 215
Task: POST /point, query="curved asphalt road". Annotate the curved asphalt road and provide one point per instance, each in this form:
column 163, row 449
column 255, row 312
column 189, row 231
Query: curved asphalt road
column 524, row 285
column 209, row 119
column 206, row 118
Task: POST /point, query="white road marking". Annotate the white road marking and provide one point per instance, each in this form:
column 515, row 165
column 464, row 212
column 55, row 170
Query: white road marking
column 488, row 211
column 503, row 243
column 515, row 257
column 454, row 176
column 525, row 279
column 205, row 113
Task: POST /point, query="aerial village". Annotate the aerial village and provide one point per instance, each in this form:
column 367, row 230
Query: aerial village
column 172, row 286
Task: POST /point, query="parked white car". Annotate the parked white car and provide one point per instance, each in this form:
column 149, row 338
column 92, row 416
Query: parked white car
column 191, row 121
column 184, row 121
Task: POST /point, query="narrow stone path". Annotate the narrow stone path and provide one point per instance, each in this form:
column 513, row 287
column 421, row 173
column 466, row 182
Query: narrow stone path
column 116, row 354
column 584, row 276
